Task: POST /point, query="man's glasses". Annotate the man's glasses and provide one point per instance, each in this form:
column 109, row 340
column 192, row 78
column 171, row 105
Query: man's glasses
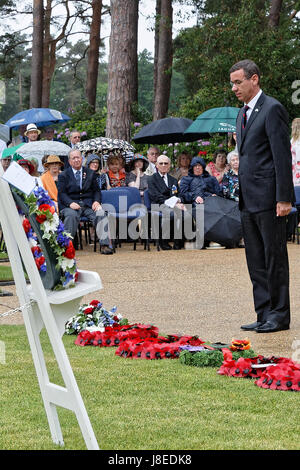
column 237, row 82
column 163, row 163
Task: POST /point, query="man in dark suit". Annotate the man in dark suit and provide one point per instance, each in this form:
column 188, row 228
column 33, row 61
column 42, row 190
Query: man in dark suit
column 79, row 195
column 164, row 191
column 266, row 196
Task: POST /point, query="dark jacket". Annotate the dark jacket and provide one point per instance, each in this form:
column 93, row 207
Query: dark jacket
column 192, row 186
column 265, row 161
column 159, row 191
column 69, row 191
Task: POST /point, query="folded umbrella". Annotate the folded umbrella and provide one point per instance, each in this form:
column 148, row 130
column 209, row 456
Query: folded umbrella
column 222, row 221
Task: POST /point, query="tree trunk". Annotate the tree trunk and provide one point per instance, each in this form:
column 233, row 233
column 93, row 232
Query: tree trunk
column 50, row 50
column 133, row 21
column 156, row 44
column 121, row 69
column 46, row 64
column 274, row 16
column 93, row 54
column 37, row 55
column 164, row 61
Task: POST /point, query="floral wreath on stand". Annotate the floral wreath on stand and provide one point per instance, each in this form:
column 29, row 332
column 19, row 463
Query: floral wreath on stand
column 41, row 206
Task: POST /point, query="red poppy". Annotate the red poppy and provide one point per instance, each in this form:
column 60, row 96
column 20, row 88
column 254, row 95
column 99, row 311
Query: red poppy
column 26, row 225
column 70, row 251
column 88, row 310
column 94, row 303
column 39, row 261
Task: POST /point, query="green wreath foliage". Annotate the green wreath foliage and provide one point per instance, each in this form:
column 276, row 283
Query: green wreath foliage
column 210, row 358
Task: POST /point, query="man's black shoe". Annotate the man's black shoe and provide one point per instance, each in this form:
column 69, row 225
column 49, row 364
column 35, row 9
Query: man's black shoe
column 177, row 245
column 252, row 326
column 271, row 327
column 165, row 246
column 105, row 250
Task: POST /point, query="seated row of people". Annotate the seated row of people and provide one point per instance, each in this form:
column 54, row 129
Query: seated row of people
column 194, row 187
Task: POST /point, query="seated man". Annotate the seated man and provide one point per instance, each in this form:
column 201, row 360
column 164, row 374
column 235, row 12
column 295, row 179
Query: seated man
column 164, row 190
column 79, row 195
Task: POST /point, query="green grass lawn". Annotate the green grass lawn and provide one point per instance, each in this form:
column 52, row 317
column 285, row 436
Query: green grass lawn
column 140, row 404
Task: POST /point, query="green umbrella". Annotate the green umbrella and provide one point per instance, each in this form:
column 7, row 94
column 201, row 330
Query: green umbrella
column 213, row 121
column 11, row 150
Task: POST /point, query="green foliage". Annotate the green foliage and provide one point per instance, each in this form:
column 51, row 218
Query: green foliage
column 209, row 358
column 85, row 121
column 227, row 34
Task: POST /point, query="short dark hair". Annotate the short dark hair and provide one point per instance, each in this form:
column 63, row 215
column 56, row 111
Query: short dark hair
column 250, row 68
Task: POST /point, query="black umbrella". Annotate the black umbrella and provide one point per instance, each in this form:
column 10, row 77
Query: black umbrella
column 222, row 221
column 164, row 131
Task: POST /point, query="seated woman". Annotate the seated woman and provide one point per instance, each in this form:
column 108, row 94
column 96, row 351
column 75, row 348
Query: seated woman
column 116, row 174
column 197, row 186
column 137, row 178
column 230, row 181
column 183, row 164
column 218, row 166
column 26, row 165
column 93, row 162
column 49, row 179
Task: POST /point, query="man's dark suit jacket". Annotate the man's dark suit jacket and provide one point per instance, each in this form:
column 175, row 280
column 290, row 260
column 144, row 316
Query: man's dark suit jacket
column 159, row 191
column 265, row 168
column 69, row 191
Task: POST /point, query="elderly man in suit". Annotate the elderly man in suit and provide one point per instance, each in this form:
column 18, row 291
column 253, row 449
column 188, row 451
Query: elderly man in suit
column 152, row 155
column 164, row 191
column 266, row 196
column 79, row 195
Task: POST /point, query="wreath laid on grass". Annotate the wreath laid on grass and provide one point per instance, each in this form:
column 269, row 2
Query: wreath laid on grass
column 99, row 327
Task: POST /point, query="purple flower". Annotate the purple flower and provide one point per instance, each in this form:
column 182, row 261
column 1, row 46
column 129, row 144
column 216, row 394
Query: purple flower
column 137, row 124
column 83, row 133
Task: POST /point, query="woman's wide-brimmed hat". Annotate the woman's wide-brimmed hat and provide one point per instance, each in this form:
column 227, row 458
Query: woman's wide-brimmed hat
column 53, row 159
column 31, row 127
column 27, row 163
column 139, row 156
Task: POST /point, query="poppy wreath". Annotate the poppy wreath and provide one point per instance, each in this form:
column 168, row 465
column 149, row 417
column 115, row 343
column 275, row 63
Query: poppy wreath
column 243, row 367
column 285, row 375
column 116, row 334
column 160, row 347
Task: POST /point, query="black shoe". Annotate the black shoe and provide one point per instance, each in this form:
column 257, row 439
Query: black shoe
column 252, row 326
column 177, row 245
column 105, row 250
column 271, row 327
column 165, row 246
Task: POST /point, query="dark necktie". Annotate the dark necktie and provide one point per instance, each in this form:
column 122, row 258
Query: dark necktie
column 78, row 179
column 244, row 122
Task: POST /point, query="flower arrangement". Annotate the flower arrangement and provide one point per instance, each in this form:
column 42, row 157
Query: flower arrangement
column 52, row 229
column 93, row 317
column 213, row 355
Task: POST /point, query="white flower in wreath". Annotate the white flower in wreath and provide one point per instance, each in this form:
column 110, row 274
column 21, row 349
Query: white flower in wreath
column 67, row 263
column 50, row 226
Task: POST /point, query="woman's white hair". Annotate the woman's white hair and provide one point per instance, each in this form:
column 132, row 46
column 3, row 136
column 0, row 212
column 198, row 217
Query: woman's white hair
column 231, row 154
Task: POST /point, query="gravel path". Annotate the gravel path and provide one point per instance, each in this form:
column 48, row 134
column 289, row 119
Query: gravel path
column 206, row 293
